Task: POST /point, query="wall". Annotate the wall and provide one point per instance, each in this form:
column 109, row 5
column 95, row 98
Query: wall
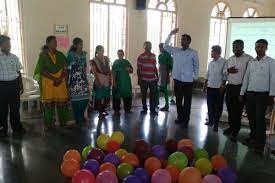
column 39, row 17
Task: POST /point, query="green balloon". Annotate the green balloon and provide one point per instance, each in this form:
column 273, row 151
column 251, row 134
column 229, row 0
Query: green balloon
column 179, row 160
column 201, row 153
column 86, row 151
column 204, row 165
column 123, row 170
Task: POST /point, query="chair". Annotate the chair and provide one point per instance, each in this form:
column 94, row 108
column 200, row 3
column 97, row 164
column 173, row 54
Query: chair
column 31, row 93
column 270, row 141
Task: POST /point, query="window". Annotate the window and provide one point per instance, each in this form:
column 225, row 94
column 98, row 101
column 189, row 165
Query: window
column 251, row 12
column 11, row 25
column 108, row 26
column 161, row 19
column 218, row 27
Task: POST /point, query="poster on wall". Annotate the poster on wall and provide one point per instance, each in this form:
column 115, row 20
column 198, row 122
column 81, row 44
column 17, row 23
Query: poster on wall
column 62, row 36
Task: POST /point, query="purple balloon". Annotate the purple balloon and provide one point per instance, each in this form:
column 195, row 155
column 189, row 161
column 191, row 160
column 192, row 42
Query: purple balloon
column 143, row 175
column 112, row 158
column 96, row 154
column 92, row 166
column 159, row 151
column 132, row 179
column 227, row 175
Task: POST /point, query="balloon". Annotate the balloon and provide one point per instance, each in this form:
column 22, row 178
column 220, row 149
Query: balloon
column 188, row 151
column 121, row 152
column 227, row 175
column 123, row 170
column 118, row 137
column 83, row 176
column 201, row 153
column 218, row 162
column 96, row 154
column 178, row 159
column 92, row 165
column 72, row 154
column 185, row 142
column 159, row 151
column 174, row 172
column 132, row 179
column 143, row 175
column 211, row 179
column 106, row 177
column 112, row 146
column 131, row 159
column 161, row 176
column 190, row 175
column 86, row 151
column 112, row 158
column 102, row 141
column 69, row 167
column 204, row 165
column 171, row 146
column 141, row 147
column 107, row 166
column 152, row 164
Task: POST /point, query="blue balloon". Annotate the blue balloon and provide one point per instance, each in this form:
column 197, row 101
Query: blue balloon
column 143, row 175
column 227, row 175
column 92, row 166
column 159, row 151
column 112, row 158
column 132, row 179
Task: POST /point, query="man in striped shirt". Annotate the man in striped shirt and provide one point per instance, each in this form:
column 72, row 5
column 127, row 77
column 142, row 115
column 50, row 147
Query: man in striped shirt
column 148, row 77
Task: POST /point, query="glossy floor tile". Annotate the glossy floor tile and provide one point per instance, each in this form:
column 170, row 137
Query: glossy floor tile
column 36, row 157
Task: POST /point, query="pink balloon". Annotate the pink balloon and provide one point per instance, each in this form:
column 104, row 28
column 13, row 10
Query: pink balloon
column 106, row 177
column 161, row 176
column 211, row 179
column 82, row 176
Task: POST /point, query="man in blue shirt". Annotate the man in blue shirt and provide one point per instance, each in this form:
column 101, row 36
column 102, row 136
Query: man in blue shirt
column 258, row 85
column 185, row 71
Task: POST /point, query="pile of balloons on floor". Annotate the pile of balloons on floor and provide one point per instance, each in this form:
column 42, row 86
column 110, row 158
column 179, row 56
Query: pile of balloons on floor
column 174, row 162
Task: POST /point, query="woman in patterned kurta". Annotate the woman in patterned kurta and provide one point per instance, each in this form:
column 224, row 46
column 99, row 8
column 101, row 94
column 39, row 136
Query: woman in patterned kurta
column 78, row 83
column 50, row 72
column 102, row 83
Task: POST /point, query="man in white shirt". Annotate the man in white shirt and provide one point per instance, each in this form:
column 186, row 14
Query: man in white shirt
column 235, row 70
column 215, row 82
column 258, row 85
column 10, row 89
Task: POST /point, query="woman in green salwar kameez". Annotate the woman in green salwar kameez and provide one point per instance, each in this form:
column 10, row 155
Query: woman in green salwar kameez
column 50, row 72
column 122, row 87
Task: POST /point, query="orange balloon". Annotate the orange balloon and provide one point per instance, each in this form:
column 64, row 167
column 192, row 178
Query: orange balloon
column 174, row 172
column 131, row 159
column 107, row 166
column 190, row 175
column 72, row 154
column 218, row 162
column 152, row 164
column 69, row 167
column 185, row 142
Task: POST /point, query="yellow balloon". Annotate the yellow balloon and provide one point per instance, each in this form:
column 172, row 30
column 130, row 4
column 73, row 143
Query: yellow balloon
column 121, row 152
column 102, row 141
column 118, row 137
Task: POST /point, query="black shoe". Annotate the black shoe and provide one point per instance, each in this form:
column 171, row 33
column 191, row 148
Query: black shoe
column 273, row 152
column 215, row 129
column 233, row 137
column 184, row 126
column 228, row 131
column 116, row 113
column 209, row 124
column 165, row 108
column 172, row 102
column 3, row 134
column 143, row 111
column 19, row 133
column 154, row 113
column 128, row 111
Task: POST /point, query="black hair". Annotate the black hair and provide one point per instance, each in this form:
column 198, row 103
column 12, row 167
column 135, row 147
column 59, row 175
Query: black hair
column 98, row 47
column 239, row 41
column 217, row 49
column 3, row 39
column 48, row 40
column 161, row 45
column 188, row 37
column 264, row 41
column 147, row 42
column 76, row 41
column 120, row 50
